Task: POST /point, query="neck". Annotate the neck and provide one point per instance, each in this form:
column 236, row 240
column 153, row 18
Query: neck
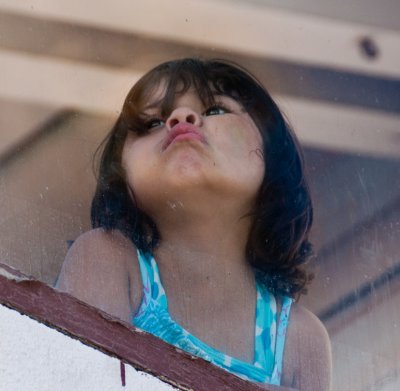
column 200, row 248
column 209, row 283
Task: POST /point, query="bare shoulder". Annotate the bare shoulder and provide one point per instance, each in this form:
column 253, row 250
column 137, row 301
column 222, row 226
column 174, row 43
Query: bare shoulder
column 101, row 269
column 308, row 361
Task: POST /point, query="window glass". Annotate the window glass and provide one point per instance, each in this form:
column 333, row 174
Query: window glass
column 65, row 73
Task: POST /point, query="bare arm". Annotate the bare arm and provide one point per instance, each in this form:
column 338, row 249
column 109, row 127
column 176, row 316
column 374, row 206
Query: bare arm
column 308, row 359
column 101, row 269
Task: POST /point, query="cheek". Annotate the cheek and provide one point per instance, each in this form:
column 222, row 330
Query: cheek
column 240, row 139
column 132, row 162
column 138, row 174
column 137, row 152
column 245, row 141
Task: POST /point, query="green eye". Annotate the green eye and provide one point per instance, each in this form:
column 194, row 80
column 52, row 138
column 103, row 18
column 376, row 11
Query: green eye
column 154, row 123
column 215, row 110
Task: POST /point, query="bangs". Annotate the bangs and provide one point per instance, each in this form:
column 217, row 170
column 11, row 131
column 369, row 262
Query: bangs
column 206, row 78
column 183, row 76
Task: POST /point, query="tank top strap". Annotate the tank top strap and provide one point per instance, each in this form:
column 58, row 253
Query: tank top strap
column 280, row 338
column 269, row 339
column 265, row 329
column 152, row 286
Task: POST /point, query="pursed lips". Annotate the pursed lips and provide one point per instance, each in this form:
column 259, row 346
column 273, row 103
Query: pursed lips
column 183, row 131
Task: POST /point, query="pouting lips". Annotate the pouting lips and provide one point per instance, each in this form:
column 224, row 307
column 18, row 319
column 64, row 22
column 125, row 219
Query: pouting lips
column 183, row 131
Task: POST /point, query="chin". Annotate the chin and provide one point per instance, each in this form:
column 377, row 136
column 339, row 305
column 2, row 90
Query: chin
column 185, row 172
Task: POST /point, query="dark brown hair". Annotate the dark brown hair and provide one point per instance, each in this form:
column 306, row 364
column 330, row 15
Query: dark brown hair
column 278, row 244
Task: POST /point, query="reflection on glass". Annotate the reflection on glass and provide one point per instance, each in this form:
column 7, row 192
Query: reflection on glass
column 201, row 185
column 59, row 98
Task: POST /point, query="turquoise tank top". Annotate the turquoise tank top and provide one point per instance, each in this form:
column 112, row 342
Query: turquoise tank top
column 153, row 317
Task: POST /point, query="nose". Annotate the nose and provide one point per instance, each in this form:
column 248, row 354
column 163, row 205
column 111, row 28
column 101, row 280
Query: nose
column 183, row 114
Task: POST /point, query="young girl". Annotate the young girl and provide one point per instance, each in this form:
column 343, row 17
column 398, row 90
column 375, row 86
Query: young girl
column 201, row 219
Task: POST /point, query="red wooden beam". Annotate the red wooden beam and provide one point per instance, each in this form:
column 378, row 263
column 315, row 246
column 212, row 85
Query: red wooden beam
column 114, row 337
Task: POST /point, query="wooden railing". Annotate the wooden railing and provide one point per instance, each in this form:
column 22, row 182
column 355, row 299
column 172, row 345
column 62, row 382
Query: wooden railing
column 114, row 337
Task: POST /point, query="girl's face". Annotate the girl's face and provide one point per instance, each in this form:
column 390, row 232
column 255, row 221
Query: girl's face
column 194, row 149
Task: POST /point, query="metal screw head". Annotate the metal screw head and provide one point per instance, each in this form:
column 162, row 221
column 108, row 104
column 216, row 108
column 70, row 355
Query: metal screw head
column 369, row 48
